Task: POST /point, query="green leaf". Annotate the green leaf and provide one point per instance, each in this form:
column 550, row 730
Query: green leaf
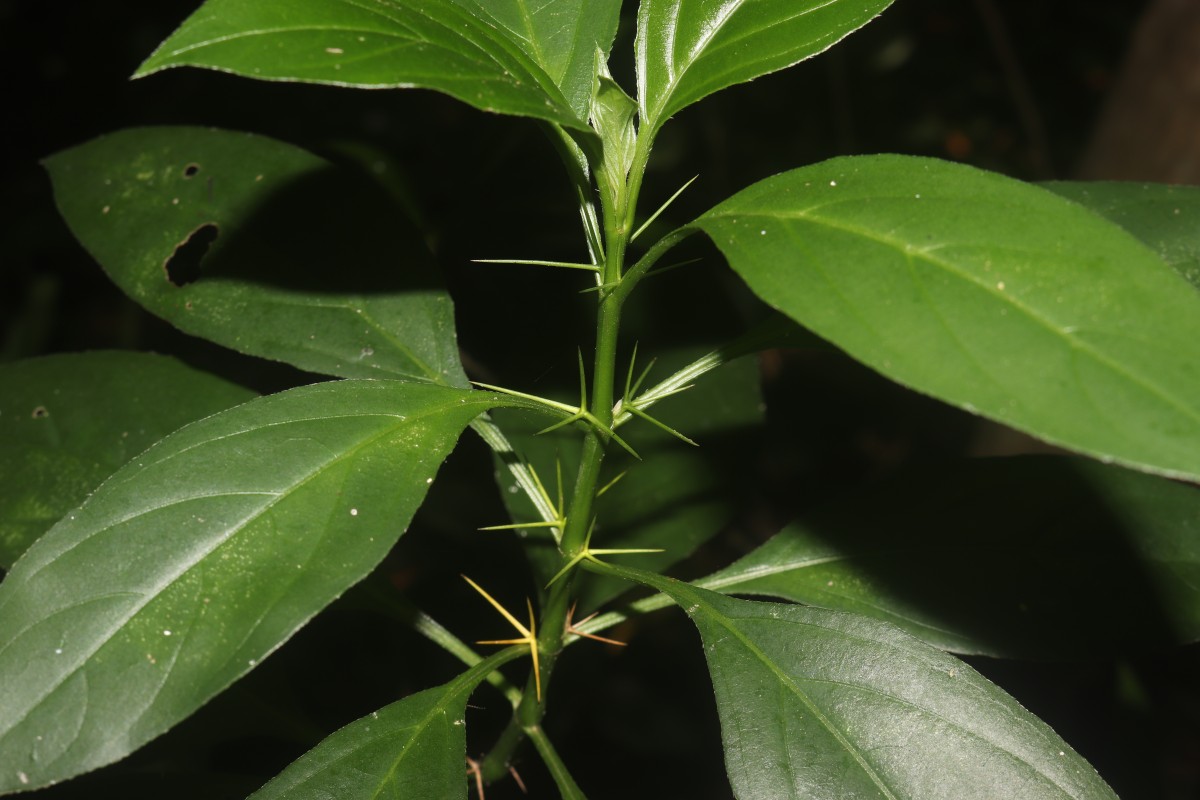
column 614, row 115
column 561, row 36
column 946, row 555
column 414, row 748
column 428, row 44
column 200, row 557
column 818, row 704
column 309, row 265
column 69, row 421
column 688, row 50
column 676, row 498
column 1166, row 218
column 991, row 294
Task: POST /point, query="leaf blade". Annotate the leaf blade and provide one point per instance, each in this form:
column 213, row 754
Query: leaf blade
column 816, row 703
column 430, row 44
column 198, row 559
column 984, row 292
column 414, row 747
column 561, row 37
column 69, row 421
column 944, row 555
column 1164, row 217
column 686, row 51
column 309, row 266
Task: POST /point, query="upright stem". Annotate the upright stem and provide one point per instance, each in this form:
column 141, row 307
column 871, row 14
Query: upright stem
column 618, row 225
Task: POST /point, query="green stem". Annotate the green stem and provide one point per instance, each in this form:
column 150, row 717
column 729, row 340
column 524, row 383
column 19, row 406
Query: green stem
column 562, row 778
column 618, row 225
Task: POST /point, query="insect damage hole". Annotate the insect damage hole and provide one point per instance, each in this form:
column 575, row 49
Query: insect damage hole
column 190, row 170
column 183, row 265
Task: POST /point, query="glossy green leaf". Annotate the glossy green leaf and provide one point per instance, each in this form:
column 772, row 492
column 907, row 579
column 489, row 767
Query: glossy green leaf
column 309, row 265
column 614, row 115
column 991, row 294
column 561, row 36
column 428, row 44
column 69, row 421
column 676, row 498
column 688, row 49
column 200, row 557
column 818, row 704
column 946, row 554
column 415, row 747
column 1166, row 218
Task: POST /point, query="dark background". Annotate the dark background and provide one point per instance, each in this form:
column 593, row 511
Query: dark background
column 1019, row 87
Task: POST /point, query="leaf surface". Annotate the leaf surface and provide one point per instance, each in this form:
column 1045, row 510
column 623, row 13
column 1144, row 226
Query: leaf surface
column 991, row 294
column 817, row 704
column 412, row 748
column 378, row 44
column 1166, row 218
column 688, row 49
column 945, row 554
column 69, row 421
column 560, row 36
column 262, row 247
column 200, row 557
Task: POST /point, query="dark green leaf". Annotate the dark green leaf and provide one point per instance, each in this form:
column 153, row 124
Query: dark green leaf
column 200, row 557
column 820, row 704
column 69, row 421
column 560, row 36
column 676, row 498
column 429, row 44
column 306, row 265
column 1166, row 218
column 413, row 748
column 991, row 294
column 1004, row 557
column 688, row 50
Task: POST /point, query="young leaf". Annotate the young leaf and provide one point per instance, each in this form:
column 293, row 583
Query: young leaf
column 817, row 704
column 69, row 421
column 412, row 748
column 262, row 247
column 561, row 37
column 613, row 113
column 428, row 44
column 945, row 554
column 200, row 557
column 688, row 49
column 985, row 292
column 1166, row 218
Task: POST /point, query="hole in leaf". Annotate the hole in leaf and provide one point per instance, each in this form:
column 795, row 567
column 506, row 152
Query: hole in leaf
column 190, row 170
column 183, row 266
column 41, row 412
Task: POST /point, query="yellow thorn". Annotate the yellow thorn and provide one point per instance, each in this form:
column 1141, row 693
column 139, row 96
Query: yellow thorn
column 504, row 611
column 528, row 635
